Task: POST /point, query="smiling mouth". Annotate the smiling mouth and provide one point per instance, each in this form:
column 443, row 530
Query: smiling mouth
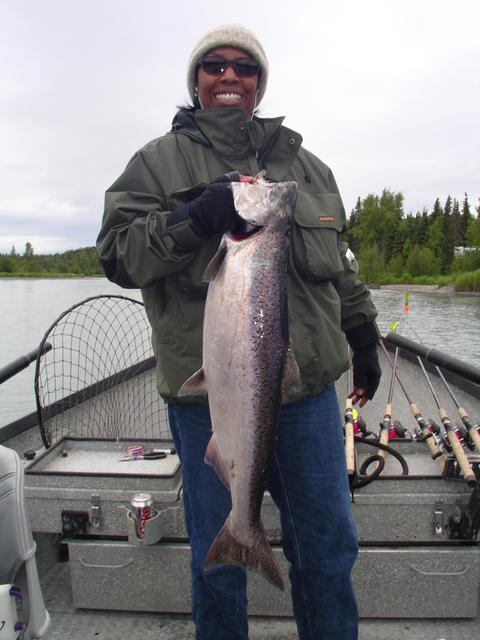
column 228, row 97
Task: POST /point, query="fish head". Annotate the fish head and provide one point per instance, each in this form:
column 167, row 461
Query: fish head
column 262, row 203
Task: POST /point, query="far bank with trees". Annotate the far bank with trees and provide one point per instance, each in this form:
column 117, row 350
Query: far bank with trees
column 441, row 246
column 437, row 247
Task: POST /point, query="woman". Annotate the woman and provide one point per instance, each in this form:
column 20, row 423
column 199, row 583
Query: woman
column 163, row 221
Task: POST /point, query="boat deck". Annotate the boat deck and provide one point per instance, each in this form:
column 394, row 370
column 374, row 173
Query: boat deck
column 69, row 623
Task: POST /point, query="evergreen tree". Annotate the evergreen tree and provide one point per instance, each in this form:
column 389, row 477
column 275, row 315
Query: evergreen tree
column 448, row 241
column 435, row 240
column 456, row 219
column 351, row 236
column 437, row 211
column 473, row 233
column 423, row 228
column 464, row 221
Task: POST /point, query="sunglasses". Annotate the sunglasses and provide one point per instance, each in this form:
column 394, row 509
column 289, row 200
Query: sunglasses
column 216, row 65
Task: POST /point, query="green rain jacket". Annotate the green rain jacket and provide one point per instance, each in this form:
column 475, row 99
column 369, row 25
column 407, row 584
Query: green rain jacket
column 137, row 250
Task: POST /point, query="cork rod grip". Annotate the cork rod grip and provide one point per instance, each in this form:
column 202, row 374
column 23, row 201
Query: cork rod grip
column 349, row 448
column 461, row 457
column 435, row 452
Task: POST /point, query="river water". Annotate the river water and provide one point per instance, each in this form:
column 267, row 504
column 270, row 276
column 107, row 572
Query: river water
column 29, row 306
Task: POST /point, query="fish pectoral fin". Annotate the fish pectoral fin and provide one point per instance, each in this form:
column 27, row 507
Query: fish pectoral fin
column 213, row 266
column 291, row 382
column 196, row 385
column 215, row 460
column 226, row 549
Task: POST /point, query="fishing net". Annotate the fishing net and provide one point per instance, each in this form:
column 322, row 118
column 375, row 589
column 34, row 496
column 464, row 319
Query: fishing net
column 98, row 379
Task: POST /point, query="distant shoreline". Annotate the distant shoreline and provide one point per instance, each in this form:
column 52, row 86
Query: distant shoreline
column 447, row 289
column 48, row 276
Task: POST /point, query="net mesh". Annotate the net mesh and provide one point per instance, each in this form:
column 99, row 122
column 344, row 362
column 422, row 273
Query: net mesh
column 98, row 380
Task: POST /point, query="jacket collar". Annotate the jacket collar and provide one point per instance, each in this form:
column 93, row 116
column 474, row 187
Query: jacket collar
column 228, row 131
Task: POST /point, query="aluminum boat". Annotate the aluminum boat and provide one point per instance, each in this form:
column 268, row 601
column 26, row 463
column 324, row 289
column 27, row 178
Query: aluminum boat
column 414, row 467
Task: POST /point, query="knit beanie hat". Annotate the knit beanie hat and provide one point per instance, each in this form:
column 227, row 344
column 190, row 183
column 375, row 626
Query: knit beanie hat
column 228, row 35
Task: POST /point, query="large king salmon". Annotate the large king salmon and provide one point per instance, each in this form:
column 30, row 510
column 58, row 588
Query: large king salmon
column 248, row 366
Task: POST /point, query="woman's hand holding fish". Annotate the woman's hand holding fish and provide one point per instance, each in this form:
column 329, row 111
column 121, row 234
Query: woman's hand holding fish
column 213, row 211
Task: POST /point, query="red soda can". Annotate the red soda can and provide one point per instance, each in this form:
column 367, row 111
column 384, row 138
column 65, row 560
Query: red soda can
column 141, row 511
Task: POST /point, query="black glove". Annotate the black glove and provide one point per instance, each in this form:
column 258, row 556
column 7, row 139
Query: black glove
column 366, row 370
column 213, row 211
column 363, row 340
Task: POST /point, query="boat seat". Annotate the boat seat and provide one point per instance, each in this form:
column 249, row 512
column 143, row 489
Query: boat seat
column 18, row 564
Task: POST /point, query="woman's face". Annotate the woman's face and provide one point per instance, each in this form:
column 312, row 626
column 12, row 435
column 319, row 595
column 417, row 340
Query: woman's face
column 227, row 89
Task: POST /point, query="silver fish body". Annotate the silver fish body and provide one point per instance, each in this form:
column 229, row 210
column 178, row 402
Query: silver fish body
column 248, row 366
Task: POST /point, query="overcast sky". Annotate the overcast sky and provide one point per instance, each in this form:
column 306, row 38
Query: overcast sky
column 387, row 93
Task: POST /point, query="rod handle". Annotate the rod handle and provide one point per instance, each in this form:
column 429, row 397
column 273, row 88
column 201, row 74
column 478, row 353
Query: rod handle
column 383, row 440
column 381, row 452
column 415, row 410
column 461, row 457
column 435, row 452
column 349, row 448
column 472, row 430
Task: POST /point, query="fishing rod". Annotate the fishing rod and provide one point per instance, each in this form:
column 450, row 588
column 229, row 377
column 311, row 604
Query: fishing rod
column 387, row 418
column 427, row 429
column 355, row 427
column 391, row 429
column 386, row 424
column 452, row 434
column 473, row 429
column 354, row 424
column 349, row 431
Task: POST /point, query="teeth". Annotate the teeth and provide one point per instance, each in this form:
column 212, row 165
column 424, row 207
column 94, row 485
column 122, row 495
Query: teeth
column 228, row 96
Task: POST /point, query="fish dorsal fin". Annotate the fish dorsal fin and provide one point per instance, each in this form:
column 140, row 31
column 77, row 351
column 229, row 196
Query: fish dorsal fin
column 215, row 460
column 213, row 266
column 291, row 382
column 196, row 385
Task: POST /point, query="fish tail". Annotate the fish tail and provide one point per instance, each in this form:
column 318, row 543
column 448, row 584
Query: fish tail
column 226, row 549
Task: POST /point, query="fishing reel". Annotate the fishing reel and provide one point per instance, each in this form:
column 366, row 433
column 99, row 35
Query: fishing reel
column 440, row 435
column 396, row 430
column 464, row 436
column 437, row 433
column 360, row 426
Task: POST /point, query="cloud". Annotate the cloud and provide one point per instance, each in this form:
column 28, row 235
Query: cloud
column 386, row 93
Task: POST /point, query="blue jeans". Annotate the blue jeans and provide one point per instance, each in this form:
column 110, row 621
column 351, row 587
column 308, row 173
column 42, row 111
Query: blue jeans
column 309, row 484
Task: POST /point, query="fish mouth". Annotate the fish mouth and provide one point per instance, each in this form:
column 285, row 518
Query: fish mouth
column 243, row 234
